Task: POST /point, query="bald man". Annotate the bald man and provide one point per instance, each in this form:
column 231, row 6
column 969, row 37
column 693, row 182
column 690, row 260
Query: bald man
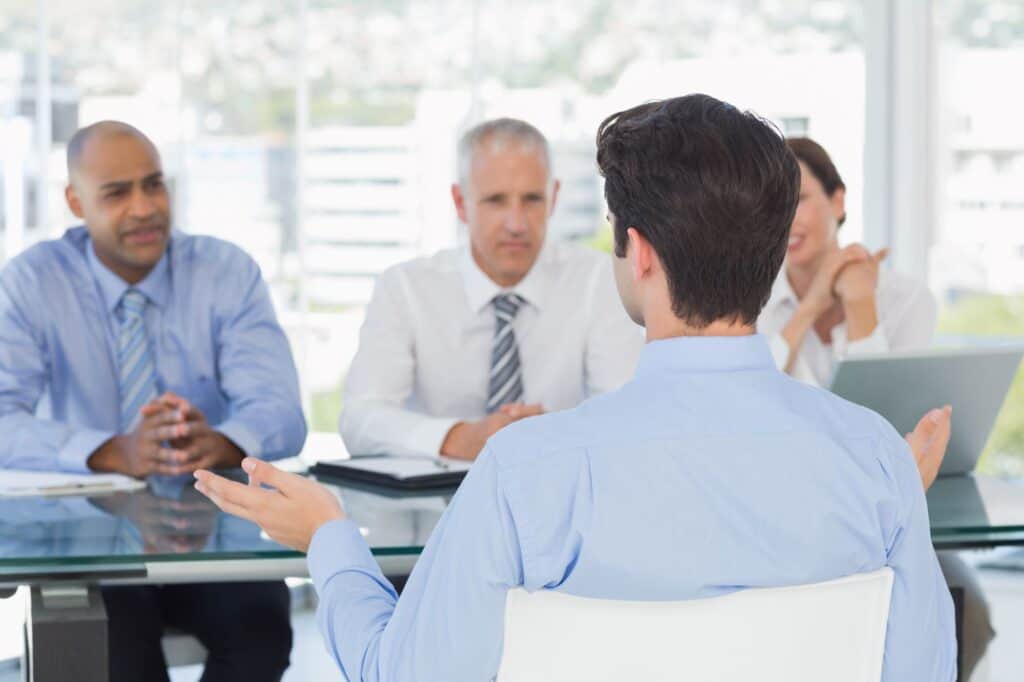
column 128, row 347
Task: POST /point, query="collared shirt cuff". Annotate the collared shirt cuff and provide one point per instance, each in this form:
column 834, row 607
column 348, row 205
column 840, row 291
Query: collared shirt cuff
column 876, row 342
column 76, row 451
column 239, row 434
column 336, row 546
column 427, row 437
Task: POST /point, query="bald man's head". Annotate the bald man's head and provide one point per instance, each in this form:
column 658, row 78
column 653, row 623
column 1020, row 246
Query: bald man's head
column 116, row 185
column 99, row 131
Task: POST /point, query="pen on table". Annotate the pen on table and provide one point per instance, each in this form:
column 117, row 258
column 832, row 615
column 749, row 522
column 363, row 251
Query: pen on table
column 64, row 488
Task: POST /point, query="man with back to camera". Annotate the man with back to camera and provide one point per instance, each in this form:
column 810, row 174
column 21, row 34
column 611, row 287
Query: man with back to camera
column 458, row 345
column 128, row 347
column 709, row 440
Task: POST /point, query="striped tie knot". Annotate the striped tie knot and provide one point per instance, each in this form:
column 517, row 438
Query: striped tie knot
column 507, row 305
column 133, row 302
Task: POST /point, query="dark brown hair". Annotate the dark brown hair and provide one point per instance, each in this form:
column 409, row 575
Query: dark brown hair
column 817, row 160
column 713, row 189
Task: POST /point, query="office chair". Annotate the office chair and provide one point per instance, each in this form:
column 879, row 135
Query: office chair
column 807, row 633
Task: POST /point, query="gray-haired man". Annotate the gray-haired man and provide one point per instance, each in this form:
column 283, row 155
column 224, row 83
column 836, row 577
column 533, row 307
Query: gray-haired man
column 458, row 345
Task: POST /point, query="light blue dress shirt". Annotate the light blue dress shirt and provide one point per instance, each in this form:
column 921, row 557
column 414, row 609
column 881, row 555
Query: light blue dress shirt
column 211, row 326
column 710, row 472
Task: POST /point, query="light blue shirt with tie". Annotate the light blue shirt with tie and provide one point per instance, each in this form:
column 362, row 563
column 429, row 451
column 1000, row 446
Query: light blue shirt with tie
column 211, row 330
column 710, row 472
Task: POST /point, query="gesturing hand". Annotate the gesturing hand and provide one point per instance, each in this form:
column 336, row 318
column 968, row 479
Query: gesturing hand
column 290, row 514
column 928, row 442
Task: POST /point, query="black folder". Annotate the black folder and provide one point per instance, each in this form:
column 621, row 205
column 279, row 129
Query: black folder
column 403, row 473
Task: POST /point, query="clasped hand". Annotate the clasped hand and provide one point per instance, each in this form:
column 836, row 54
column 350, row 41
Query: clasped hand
column 172, row 438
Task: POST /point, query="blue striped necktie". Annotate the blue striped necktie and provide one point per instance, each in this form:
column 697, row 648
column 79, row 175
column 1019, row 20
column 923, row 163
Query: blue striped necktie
column 506, row 379
column 135, row 359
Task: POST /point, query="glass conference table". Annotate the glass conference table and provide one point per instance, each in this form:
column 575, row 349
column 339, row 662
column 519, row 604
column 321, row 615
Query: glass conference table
column 65, row 547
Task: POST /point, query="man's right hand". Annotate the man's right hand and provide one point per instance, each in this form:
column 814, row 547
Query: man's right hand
column 465, row 440
column 141, row 452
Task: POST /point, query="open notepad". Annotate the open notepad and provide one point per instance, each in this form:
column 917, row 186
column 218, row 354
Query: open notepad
column 17, row 483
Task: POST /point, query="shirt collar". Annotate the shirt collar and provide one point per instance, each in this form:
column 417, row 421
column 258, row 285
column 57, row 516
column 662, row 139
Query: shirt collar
column 481, row 289
column 782, row 290
column 705, row 354
column 155, row 286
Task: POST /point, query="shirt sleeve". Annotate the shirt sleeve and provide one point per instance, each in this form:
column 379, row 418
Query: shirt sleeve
column 30, row 442
column 906, row 321
column 614, row 341
column 449, row 623
column 380, row 381
column 780, row 350
column 801, row 369
column 257, row 373
column 920, row 637
column 914, row 326
column 875, row 342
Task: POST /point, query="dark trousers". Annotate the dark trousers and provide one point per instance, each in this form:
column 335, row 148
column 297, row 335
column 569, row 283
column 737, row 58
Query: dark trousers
column 245, row 627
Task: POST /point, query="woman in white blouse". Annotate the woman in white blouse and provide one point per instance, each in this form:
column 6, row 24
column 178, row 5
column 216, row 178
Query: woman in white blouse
column 830, row 302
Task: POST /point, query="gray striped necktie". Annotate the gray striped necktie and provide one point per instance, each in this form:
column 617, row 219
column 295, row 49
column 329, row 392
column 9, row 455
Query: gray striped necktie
column 135, row 359
column 506, row 380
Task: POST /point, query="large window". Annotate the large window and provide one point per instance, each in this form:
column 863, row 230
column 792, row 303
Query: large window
column 977, row 259
column 320, row 135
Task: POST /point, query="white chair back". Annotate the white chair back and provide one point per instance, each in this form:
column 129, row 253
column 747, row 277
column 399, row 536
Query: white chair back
column 831, row 631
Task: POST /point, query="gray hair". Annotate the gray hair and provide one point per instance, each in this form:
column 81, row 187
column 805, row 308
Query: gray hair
column 500, row 132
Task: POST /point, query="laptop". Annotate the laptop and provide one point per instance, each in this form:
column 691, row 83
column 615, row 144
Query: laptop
column 902, row 387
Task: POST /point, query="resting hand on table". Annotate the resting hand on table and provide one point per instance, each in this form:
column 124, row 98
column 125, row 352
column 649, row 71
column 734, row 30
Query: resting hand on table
column 142, row 452
column 466, row 440
column 928, row 442
column 190, row 434
column 172, row 438
column 290, row 513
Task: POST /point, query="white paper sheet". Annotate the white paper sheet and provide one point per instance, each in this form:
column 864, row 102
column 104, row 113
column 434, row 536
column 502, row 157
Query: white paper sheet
column 18, row 483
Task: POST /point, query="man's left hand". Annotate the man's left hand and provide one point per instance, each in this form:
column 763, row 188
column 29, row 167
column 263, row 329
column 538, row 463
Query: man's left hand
column 290, row 514
column 205, row 447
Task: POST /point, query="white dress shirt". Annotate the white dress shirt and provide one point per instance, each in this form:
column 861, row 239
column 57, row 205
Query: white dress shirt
column 424, row 350
column 906, row 321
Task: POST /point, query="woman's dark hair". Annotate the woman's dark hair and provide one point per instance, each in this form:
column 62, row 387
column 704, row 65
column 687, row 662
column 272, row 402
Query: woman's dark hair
column 713, row 189
column 817, row 160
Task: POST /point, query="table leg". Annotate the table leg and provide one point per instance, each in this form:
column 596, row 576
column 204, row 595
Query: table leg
column 66, row 634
